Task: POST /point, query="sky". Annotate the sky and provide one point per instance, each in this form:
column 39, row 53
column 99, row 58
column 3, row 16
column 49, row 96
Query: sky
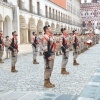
column 88, row 1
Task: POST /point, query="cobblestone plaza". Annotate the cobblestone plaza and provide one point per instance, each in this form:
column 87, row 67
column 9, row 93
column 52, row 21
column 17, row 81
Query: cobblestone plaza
column 83, row 82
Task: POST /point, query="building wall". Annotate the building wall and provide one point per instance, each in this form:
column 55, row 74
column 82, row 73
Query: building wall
column 90, row 15
column 22, row 16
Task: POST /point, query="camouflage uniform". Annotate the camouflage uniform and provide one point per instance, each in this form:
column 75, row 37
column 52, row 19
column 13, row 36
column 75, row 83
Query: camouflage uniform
column 35, row 47
column 40, row 44
column 65, row 55
column 8, row 53
column 1, row 49
column 48, row 63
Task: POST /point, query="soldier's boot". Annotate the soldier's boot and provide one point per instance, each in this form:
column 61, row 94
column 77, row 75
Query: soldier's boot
column 35, row 62
column 1, row 61
column 41, row 54
column 75, row 63
column 47, row 84
column 13, row 69
column 57, row 54
column 63, row 71
column 51, row 83
column 60, row 53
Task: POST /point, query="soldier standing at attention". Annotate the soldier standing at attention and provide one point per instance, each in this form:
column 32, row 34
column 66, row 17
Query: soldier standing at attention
column 75, row 43
column 13, row 46
column 1, row 46
column 40, row 43
column 64, row 44
column 7, row 42
column 49, row 48
column 57, row 43
column 35, row 45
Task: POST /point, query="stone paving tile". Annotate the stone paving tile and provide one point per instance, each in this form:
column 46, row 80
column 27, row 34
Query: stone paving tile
column 30, row 77
column 12, row 95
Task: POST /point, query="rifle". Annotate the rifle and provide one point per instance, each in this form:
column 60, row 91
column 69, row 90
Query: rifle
column 0, row 43
column 12, row 47
column 75, row 44
column 64, row 48
column 48, row 54
column 34, row 44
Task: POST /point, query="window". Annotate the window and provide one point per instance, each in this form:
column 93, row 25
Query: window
column 59, row 16
column 49, row 12
column 53, row 13
column 46, row 11
column 56, row 14
column 38, row 8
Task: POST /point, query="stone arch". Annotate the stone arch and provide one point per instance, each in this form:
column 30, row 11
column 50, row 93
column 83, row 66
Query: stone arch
column 58, row 28
column 23, row 30
column 46, row 23
column 39, row 26
column 31, row 28
column 53, row 28
column 7, row 26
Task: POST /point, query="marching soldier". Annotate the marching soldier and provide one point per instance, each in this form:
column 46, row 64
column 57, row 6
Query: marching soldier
column 49, row 48
column 35, row 45
column 7, row 41
column 75, row 47
column 40, row 42
column 64, row 44
column 13, row 46
column 1, row 46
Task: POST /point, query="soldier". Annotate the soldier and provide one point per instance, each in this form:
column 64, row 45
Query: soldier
column 35, row 45
column 49, row 48
column 75, row 47
column 64, row 44
column 7, row 42
column 70, row 39
column 1, row 46
column 40, row 42
column 57, row 43
column 13, row 46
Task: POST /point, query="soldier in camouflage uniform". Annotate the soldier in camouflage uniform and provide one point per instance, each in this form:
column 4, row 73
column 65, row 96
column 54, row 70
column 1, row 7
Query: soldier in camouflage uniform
column 57, row 43
column 40, row 43
column 13, row 46
column 1, row 46
column 75, row 43
column 49, row 48
column 35, row 46
column 64, row 44
column 7, row 41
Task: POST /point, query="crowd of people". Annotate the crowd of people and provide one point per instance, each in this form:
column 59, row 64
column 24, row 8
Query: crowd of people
column 50, row 45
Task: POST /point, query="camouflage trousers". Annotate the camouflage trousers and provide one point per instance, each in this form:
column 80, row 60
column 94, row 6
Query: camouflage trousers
column 75, row 54
column 48, row 72
column 1, row 52
column 64, row 59
column 13, row 58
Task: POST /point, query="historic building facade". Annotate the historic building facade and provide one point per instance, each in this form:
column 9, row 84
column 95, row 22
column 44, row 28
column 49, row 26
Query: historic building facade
column 26, row 16
column 90, row 14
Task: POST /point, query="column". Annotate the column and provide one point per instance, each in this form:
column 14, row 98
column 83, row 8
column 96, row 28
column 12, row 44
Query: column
column 1, row 25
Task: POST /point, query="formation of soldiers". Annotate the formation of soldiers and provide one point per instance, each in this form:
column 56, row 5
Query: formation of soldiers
column 49, row 45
